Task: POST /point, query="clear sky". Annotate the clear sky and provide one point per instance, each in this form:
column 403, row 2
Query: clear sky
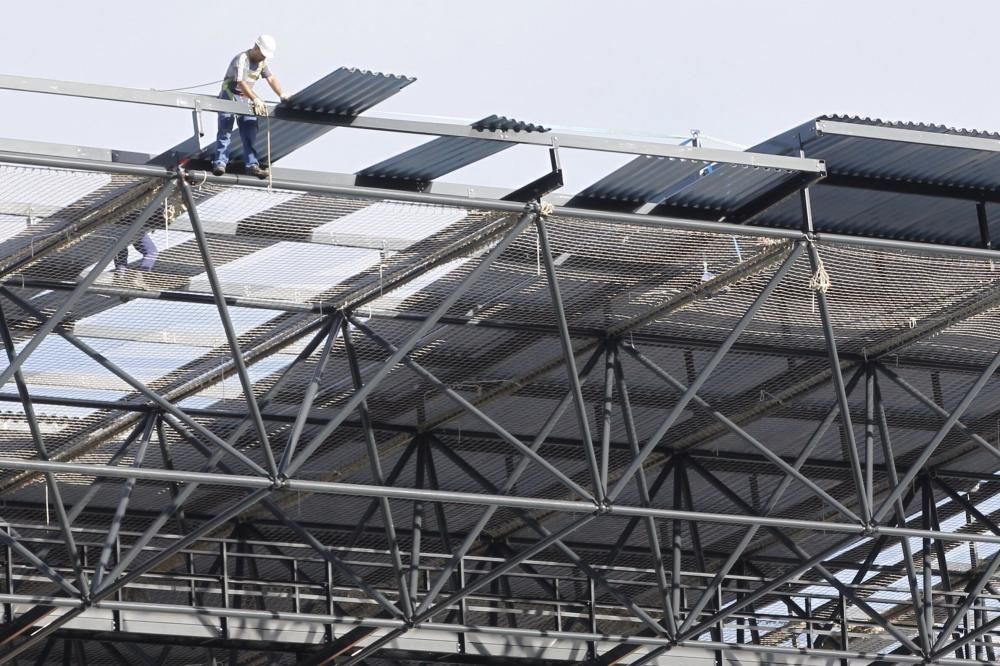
column 738, row 70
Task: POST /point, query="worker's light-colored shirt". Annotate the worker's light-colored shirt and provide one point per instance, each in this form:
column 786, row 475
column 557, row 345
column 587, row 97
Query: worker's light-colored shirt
column 242, row 69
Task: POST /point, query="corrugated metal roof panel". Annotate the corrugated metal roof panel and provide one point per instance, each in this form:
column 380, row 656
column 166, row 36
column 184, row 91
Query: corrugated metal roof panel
column 858, row 197
column 348, row 92
column 658, row 180
column 445, row 154
column 639, row 181
column 886, row 215
column 345, row 92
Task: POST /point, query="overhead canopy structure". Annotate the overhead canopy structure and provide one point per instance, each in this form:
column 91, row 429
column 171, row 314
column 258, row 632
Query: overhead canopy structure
column 717, row 406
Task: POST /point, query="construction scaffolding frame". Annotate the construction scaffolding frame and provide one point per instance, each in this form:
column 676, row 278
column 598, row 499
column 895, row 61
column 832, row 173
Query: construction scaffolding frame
column 562, row 445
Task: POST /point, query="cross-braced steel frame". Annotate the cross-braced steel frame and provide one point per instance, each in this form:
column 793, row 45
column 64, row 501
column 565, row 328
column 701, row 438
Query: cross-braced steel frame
column 525, row 570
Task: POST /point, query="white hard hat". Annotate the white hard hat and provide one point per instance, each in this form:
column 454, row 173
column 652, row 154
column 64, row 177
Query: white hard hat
column 267, row 45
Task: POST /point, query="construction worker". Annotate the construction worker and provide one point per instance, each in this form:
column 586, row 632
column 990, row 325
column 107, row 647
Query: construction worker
column 243, row 72
column 123, row 275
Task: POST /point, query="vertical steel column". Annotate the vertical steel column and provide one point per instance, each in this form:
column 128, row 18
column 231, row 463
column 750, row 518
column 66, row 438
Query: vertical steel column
column 870, row 433
column 418, row 519
column 78, row 292
column 430, row 472
column 838, row 382
column 676, row 541
column 695, row 537
column 652, row 533
column 984, row 224
column 610, row 360
column 900, row 507
column 805, row 201
column 583, row 421
column 844, row 633
column 8, row 571
column 375, row 464
column 925, row 518
column 168, row 464
column 227, row 325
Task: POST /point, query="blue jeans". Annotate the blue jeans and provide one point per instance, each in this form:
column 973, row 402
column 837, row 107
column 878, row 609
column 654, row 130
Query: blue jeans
column 146, row 247
column 248, row 134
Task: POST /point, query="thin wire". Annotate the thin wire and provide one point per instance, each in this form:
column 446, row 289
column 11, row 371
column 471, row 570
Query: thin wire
column 200, row 85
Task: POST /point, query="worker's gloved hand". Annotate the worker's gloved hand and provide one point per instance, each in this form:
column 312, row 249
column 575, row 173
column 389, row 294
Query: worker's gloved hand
column 284, row 99
column 259, row 107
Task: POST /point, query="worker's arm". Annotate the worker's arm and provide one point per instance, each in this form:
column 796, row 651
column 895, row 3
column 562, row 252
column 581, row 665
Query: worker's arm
column 276, row 87
column 247, row 91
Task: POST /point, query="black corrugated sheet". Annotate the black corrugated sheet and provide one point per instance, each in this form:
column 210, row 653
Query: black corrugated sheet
column 892, row 188
column 418, row 166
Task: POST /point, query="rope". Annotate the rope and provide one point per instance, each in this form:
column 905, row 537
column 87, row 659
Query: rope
column 261, row 109
column 270, row 176
column 820, row 281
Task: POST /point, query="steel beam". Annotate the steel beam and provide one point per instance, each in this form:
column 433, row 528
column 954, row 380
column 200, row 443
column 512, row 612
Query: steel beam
column 789, row 470
column 161, row 402
column 598, row 479
column 900, row 508
column 706, row 372
column 932, row 445
column 937, row 409
column 507, row 486
column 482, row 267
column 333, row 332
column 126, row 494
column 374, row 121
column 375, row 464
column 474, row 411
column 227, row 324
column 645, row 496
column 50, row 323
column 39, row 443
column 480, row 499
column 840, row 388
column 320, row 183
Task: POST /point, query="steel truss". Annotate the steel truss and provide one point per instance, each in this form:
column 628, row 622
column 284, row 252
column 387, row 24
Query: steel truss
column 525, row 566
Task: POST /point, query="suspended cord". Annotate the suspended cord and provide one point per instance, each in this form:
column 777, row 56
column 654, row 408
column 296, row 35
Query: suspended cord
column 200, row 85
column 270, row 176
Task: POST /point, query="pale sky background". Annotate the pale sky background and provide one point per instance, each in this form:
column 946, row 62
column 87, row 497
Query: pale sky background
column 741, row 71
